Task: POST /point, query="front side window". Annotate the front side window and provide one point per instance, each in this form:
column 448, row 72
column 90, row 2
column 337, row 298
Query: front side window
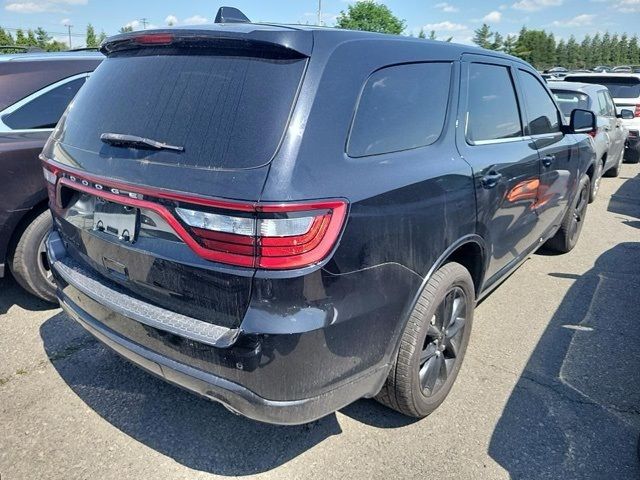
column 542, row 114
column 45, row 110
column 570, row 100
column 401, row 108
column 492, row 111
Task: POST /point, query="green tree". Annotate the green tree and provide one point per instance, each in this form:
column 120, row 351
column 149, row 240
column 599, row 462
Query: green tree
column 562, row 53
column 102, row 37
column 482, row 36
column 633, row 51
column 498, row 42
column 42, row 38
column 126, row 29
column 20, row 38
column 421, row 34
column 370, row 16
column 509, row 44
column 56, row 46
column 91, row 39
column 595, row 49
column 6, row 39
column 573, row 52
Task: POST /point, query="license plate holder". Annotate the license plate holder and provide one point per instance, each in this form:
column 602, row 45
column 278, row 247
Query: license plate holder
column 118, row 220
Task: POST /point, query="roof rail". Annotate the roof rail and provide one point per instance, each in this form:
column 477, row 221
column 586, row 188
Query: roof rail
column 231, row 15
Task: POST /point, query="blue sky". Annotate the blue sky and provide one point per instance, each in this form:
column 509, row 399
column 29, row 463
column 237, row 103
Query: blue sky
column 457, row 18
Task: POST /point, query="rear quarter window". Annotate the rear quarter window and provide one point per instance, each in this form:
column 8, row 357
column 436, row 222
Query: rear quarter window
column 400, row 108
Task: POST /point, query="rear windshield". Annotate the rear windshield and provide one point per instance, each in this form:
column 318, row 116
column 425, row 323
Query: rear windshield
column 569, row 101
column 620, row 87
column 225, row 108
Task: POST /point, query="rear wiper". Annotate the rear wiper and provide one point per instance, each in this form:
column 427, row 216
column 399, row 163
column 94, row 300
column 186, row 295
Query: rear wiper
column 121, row 140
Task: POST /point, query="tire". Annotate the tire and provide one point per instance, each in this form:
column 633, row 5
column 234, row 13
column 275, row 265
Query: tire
column 568, row 234
column 615, row 170
column 632, row 155
column 407, row 386
column 28, row 262
column 595, row 183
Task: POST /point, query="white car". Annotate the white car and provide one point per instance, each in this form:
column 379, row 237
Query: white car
column 625, row 90
column 611, row 135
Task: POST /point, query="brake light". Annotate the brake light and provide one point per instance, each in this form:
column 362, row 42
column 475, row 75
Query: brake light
column 154, row 39
column 275, row 237
column 637, row 111
column 593, row 133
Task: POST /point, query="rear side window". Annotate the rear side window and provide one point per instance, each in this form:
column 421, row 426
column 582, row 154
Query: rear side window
column 226, row 107
column 569, row 101
column 45, row 110
column 492, row 112
column 401, row 108
column 542, row 114
column 620, row 87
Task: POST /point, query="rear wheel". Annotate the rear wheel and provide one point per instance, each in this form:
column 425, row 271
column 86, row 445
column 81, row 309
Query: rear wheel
column 433, row 344
column 567, row 236
column 595, row 183
column 28, row 262
column 615, row 170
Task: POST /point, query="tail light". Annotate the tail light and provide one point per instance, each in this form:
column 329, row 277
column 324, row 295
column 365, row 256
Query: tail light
column 259, row 235
column 273, row 237
column 593, row 133
column 636, row 113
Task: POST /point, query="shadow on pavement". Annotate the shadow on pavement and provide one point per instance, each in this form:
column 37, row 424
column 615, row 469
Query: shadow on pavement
column 195, row 432
column 575, row 411
column 12, row 294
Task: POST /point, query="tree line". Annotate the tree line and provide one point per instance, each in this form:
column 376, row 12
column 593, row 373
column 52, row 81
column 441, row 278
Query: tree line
column 541, row 49
column 40, row 38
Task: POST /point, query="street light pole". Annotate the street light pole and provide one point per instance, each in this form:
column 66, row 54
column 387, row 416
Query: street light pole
column 319, row 12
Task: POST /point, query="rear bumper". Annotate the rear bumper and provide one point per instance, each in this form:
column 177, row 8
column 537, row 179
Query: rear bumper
column 233, row 396
column 285, row 364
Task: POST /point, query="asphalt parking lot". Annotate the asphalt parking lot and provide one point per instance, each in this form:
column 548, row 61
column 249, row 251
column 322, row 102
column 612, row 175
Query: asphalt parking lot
column 550, row 388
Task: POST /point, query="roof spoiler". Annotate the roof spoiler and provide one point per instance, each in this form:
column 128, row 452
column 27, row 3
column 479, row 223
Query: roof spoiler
column 231, row 15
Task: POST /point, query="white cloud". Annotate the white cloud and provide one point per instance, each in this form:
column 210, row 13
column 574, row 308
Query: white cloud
column 579, row 21
column 492, row 17
column 628, row 6
column 22, row 6
column 195, row 20
column 171, row 20
column 533, row 5
column 447, row 7
column 445, row 26
column 65, row 21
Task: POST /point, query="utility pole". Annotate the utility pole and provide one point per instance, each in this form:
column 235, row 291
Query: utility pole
column 68, row 25
column 319, row 12
column 144, row 22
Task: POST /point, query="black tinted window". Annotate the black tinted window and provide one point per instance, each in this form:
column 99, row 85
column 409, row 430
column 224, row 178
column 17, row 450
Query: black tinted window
column 542, row 114
column 227, row 108
column 620, row 87
column 492, row 106
column 400, row 108
column 44, row 111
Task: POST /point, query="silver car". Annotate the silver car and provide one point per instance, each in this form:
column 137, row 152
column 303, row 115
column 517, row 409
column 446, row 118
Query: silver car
column 611, row 135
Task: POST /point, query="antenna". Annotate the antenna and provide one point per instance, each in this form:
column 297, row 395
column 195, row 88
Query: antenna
column 231, row 15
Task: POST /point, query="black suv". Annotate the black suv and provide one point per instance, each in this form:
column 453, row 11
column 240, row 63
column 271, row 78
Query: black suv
column 286, row 219
column 35, row 89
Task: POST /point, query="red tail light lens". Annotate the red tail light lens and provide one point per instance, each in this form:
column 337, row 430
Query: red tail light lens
column 593, row 133
column 154, row 39
column 276, row 237
column 637, row 111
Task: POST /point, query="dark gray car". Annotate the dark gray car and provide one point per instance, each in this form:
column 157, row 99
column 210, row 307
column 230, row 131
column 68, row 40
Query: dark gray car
column 35, row 89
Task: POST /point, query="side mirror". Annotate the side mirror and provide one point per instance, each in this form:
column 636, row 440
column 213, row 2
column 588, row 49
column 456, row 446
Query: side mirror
column 626, row 114
column 583, row 121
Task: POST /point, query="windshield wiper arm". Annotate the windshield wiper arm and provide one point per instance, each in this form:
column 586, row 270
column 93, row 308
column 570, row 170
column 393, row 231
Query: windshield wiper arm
column 122, row 140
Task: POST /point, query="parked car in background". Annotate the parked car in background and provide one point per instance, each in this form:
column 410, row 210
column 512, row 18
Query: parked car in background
column 611, row 135
column 602, row 69
column 625, row 90
column 626, row 69
column 35, row 89
column 319, row 235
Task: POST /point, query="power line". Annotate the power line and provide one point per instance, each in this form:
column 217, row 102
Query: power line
column 144, row 22
column 68, row 25
column 49, row 32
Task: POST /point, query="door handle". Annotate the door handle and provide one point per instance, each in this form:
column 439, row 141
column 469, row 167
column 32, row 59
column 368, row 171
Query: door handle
column 547, row 160
column 491, row 179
